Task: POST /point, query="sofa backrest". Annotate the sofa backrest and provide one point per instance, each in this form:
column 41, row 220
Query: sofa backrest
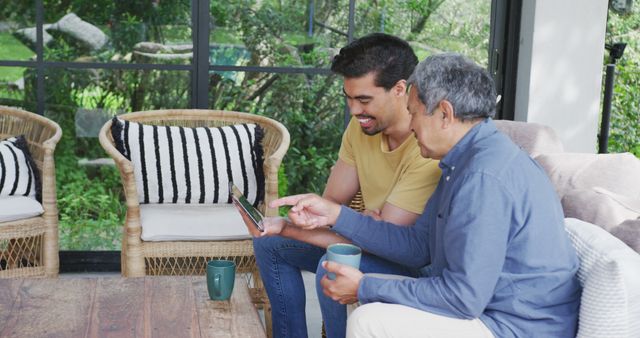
column 533, row 138
column 602, row 189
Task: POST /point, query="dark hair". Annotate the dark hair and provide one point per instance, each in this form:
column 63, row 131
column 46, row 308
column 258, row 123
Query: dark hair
column 390, row 57
column 452, row 77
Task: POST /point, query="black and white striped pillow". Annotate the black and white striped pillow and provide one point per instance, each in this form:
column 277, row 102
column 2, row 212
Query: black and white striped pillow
column 192, row 165
column 19, row 175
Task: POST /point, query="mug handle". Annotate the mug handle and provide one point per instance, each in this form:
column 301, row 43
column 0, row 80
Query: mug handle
column 216, row 284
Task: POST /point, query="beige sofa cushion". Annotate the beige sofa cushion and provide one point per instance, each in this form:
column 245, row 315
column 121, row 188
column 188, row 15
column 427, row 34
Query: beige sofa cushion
column 617, row 173
column 629, row 232
column 600, row 207
column 533, row 138
column 191, row 222
column 609, row 274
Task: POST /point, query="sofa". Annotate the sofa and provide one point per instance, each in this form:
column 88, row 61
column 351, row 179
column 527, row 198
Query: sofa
column 602, row 189
column 600, row 196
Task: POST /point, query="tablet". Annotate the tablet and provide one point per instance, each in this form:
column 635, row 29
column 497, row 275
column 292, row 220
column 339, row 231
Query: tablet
column 238, row 199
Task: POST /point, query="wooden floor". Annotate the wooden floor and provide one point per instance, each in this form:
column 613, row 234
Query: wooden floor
column 124, row 307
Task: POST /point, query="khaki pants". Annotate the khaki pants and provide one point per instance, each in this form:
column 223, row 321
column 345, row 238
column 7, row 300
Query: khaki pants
column 393, row 320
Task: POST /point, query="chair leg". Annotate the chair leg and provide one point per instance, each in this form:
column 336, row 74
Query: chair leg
column 267, row 319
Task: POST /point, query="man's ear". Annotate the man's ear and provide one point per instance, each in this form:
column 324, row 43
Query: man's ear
column 400, row 88
column 447, row 113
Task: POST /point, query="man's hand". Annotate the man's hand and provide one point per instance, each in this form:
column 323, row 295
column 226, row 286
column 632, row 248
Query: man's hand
column 272, row 225
column 309, row 211
column 344, row 289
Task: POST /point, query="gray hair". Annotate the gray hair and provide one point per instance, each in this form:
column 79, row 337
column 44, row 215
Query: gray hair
column 455, row 78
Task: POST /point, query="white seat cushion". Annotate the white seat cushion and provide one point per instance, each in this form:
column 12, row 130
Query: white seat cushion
column 610, row 276
column 191, row 222
column 13, row 208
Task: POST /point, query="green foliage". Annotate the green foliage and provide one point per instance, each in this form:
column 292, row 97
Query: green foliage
column 625, row 112
column 431, row 26
column 89, row 200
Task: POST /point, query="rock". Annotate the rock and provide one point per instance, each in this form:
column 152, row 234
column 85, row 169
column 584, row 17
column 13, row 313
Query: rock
column 78, row 29
column 28, row 36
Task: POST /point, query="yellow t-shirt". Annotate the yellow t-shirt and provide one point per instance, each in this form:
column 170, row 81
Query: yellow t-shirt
column 401, row 177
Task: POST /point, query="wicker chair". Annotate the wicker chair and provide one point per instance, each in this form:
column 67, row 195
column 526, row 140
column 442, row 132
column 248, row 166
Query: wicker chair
column 29, row 247
column 140, row 258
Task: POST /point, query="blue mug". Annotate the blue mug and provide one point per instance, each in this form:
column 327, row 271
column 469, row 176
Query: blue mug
column 343, row 253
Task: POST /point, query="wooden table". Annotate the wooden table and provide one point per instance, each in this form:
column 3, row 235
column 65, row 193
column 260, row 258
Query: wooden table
column 124, row 307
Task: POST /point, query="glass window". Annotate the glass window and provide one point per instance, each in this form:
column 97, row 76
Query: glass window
column 624, row 134
column 119, row 31
column 276, row 33
column 431, row 26
column 12, row 87
column 90, row 197
column 17, row 30
column 310, row 106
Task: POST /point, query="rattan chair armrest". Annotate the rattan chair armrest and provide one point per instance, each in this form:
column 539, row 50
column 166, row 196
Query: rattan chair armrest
column 50, row 143
column 126, row 171
column 48, row 174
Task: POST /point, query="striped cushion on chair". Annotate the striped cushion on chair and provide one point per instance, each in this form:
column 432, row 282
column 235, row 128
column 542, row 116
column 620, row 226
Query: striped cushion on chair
column 192, row 165
column 19, row 175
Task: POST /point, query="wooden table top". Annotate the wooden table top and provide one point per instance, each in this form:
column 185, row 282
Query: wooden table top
column 163, row 306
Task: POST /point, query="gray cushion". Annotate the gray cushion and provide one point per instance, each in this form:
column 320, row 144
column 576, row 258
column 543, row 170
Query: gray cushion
column 617, row 173
column 629, row 232
column 600, row 207
column 533, row 138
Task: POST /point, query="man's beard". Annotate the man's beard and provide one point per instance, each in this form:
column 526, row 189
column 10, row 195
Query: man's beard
column 375, row 130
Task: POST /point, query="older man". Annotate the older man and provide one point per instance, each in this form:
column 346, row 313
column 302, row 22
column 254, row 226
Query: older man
column 499, row 261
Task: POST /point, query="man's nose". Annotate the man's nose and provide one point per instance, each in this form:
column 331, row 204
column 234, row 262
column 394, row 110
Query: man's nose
column 355, row 109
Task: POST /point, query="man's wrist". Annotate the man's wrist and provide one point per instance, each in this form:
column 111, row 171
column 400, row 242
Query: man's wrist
column 335, row 213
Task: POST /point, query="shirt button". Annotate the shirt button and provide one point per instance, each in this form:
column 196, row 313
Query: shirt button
column 447, row 178
column 453, row 168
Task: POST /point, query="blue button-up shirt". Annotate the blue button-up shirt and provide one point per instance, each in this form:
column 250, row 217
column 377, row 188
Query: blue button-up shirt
column 493, row 238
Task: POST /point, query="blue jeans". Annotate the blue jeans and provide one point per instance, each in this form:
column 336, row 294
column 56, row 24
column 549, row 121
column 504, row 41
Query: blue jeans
column 281, row 261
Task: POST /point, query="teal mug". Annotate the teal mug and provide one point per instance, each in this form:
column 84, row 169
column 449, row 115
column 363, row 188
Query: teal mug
column 347, row 254
column 221, row 275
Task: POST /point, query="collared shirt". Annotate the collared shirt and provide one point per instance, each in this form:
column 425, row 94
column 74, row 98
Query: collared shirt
column 493, row 238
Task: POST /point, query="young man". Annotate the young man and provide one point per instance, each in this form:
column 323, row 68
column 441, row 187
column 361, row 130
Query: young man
column 378, row 156
column 500, row 261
